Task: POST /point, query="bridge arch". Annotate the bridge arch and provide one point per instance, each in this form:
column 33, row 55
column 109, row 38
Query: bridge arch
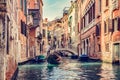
column 70, row 51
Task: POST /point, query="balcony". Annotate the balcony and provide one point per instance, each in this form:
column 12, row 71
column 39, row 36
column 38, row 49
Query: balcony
column 3, row 8
column 29, row 20
column 115, row 4
column 36, row 16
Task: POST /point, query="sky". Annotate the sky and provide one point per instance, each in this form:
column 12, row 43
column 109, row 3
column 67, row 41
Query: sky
column 54, row 8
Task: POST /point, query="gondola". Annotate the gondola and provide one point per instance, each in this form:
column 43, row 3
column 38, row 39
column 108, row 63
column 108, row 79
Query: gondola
column 54, row 58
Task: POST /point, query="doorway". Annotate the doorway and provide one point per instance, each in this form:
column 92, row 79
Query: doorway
column 116, row 51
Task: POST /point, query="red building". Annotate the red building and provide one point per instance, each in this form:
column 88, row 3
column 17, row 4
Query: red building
column 110, row 31
column 90, row 29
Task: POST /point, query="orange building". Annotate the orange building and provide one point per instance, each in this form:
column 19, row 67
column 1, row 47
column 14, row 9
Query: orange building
column 110, row 31
column 23, row 48
column 90, row 29
column 35, row 25
column 64, row 21
column 116, row 30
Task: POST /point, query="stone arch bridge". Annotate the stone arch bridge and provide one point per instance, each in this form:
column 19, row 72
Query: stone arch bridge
column 67, row 51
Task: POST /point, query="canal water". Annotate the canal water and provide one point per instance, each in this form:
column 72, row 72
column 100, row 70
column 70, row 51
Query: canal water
column 69, row 70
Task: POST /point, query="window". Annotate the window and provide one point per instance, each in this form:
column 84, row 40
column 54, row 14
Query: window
column 91, row 13
column 23, row 28
column 116, row 24
column 99, row 47
column 8, row 26
column 21, row 4
column 84, row 45
column 86, row 20
column 107, row 2
column 99, row 6
column 105, row 27
column 98, row 29
column 83, row 23
column 93, row 10
column 89, row 16
column 43, row 32
column 25, row 7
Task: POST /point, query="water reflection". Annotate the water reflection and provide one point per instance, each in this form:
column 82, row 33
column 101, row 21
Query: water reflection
column 69, row 70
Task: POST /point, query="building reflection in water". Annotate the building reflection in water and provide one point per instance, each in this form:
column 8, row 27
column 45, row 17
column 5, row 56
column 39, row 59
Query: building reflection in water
column 109, row 72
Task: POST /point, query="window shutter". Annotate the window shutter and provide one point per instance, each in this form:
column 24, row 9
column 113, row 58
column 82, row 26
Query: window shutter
column 25, row 30
column 97, row 30
column 112, row 25
column 81, row 23
column 118, row 23
column 104, row 27
column 21, row 26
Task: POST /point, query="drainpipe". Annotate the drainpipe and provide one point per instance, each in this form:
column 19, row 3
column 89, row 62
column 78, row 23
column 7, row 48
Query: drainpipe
column 80, row 30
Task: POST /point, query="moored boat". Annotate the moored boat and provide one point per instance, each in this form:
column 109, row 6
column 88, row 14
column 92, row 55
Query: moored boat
column 54, row 59
column 83, row 58
column 40, row 58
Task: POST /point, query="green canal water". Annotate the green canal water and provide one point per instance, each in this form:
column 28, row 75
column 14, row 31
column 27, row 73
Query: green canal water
column 69, row 70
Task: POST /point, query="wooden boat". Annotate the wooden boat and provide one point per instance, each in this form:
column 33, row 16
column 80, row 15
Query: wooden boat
column 83, row 58
column 40, row 58
column 54, row 59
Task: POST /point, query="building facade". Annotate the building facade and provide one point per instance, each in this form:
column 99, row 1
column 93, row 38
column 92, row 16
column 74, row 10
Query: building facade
column 64, row 21
column 99, row 29
column 35, row 34
column 8, row 39
column 90, row 29
column 111, row 31
column 15, row 24
column 22, row 27
column 73, row 26
column 45, row 35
